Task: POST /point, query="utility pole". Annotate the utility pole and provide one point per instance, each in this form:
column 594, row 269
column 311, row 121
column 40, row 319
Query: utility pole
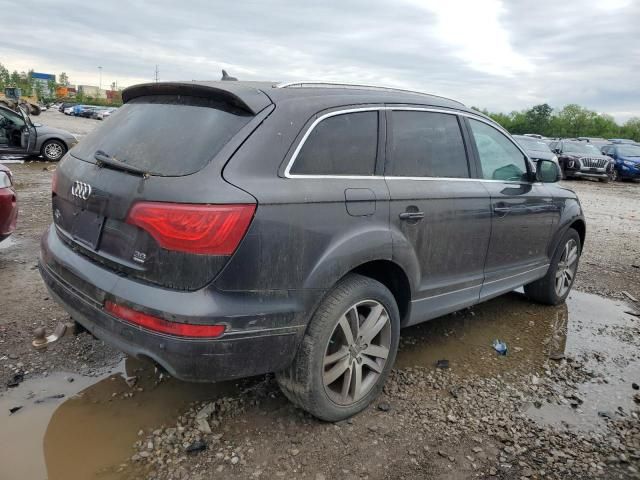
column 100, row 70
column 157, row 74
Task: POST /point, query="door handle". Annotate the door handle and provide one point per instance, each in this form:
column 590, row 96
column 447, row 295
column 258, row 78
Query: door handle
column 502, row 209
column 411, row 216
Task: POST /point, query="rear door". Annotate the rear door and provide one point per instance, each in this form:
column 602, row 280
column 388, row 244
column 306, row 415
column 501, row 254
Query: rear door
column 440, row 216
column 523, row 212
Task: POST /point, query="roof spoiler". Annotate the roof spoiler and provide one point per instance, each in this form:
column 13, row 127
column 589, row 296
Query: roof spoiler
column 246, row 98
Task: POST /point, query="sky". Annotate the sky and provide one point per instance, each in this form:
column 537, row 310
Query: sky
column 502, row 55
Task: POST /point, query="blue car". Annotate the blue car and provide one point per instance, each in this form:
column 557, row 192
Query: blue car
column 627, row 160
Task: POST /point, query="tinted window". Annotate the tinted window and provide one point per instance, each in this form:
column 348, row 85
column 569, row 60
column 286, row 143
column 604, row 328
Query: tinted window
column 344, row 144
column 427, row 144
column 499, row 157
column 164, row 135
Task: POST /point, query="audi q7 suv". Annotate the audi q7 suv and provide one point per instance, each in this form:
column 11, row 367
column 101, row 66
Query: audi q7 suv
column 227, row 229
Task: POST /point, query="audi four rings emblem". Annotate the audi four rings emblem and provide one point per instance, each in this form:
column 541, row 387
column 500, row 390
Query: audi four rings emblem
column 81, row 190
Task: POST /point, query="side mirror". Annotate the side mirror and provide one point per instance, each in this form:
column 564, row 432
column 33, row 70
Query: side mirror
column 548, row 171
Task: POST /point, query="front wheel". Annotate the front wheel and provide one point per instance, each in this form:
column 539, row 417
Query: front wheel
column 53, row 150
column 347, row 352
column 554, row 287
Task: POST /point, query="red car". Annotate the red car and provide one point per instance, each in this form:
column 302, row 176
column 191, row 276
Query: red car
column 8, row 204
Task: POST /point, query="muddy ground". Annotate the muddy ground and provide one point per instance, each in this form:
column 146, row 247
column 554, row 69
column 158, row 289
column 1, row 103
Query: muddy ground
column 559, row 405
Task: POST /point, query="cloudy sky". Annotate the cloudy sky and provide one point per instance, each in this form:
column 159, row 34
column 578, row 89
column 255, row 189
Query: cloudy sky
column 499, row 54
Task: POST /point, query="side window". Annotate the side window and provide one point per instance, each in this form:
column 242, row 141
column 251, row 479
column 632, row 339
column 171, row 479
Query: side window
column 427, row 144
column 344, row 144
column 499, row 157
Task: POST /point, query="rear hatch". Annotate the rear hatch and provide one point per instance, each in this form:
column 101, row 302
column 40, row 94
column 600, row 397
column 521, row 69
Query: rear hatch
column 143, row 196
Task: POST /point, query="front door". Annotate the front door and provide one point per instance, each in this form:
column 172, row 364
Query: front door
column 12, row 127
column 28, row 133
column 523, row 212
column 440, row 216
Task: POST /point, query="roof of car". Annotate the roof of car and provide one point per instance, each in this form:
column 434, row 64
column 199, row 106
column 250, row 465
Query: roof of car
column 254, row 96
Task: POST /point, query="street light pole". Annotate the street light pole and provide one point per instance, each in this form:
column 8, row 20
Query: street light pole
column 100, row 85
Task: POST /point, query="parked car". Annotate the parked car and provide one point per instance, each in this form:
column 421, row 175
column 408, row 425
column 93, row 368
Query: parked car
column 595, row 141
column 582, row 160
column 8, row 203
column 302, row 226
column 69, row 110
column 627, row 160
column 65, row 106
column 102, row 113
column 18, row 135
column 88, row 111
column 535, row 148
column 621, row 140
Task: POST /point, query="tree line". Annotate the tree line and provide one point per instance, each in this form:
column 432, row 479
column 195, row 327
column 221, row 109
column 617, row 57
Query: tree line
column 569, row 122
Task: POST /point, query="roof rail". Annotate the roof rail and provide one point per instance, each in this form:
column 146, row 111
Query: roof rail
column 317, row 84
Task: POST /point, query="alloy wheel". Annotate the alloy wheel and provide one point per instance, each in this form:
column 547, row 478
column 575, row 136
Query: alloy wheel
column 357, row 352
column 53, row 151
column 567, row 267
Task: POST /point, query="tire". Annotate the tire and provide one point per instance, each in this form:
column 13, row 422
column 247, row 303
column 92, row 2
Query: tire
column 53, row 150
column 309, row 381
column 615, row 176
column 545, row 290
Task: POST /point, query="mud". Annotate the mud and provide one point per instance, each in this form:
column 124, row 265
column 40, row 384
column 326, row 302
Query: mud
column 90, row 432
column 565, row 382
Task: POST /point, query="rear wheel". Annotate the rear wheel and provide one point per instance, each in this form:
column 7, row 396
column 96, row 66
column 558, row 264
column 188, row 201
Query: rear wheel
column 53, row 150
column 347, row 352
column 555, row 286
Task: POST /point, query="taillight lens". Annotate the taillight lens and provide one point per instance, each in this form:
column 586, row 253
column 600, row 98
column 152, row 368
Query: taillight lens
column 163, row 326
column 203, row 229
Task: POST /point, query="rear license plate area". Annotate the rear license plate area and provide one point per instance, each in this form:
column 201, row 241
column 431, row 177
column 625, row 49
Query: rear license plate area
column 87, row 227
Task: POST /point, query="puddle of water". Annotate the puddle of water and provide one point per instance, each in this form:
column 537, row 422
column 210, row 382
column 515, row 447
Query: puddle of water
column 586, row 327
column 90, row 432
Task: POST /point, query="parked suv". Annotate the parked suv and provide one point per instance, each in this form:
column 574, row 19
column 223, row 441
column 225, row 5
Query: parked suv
column 228, row 229
column 627, row 160
column 582, row 160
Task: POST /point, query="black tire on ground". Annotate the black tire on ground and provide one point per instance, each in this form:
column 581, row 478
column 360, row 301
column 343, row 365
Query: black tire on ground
column 53, row 150
column 544, row 290
column 303, row 383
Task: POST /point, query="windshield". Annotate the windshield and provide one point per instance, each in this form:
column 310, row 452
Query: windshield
column 164, row 135
column 629, row 151
column 579, row 147
column 533, row 144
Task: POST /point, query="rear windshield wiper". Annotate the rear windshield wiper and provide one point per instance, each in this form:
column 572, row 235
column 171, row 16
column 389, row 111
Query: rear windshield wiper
column 105, row 159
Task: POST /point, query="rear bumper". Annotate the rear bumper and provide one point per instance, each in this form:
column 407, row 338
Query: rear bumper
column 8, row 212
column 261, row 336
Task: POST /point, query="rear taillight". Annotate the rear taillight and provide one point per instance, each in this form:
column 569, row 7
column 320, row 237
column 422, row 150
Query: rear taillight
column 203, row 229
column 162, row 326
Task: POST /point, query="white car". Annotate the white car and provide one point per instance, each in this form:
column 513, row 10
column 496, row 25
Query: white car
column 68, row 110
column 104, row 113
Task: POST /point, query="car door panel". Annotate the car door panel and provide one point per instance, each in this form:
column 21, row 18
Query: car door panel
column 522, row 212
column 439, row 223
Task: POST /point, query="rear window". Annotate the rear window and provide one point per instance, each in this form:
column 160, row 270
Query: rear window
column 344, row 144
column 164, row 135
column 427, row 144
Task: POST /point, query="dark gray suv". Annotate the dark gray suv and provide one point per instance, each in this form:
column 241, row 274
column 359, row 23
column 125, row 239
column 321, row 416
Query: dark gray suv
column 227, row 229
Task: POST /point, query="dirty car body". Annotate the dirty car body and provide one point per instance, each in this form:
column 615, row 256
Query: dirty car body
column 212, row 260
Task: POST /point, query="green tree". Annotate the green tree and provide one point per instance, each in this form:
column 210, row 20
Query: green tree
column 63, row 79
column 538, row 119
column 631, row 129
